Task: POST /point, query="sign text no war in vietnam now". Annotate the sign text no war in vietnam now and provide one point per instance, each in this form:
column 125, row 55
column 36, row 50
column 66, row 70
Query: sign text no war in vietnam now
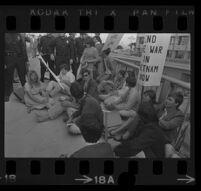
column 153, row 59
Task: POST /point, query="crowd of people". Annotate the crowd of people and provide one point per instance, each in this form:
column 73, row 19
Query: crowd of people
column 87, row 83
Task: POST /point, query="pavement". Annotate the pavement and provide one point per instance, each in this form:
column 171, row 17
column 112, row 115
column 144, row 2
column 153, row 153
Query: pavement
column 24, row 137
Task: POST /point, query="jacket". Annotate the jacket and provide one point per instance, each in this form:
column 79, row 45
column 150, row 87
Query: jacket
column 170, row 124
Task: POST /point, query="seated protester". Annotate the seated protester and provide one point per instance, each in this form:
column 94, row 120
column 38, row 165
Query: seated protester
column 125, row 131
column 89, row 85
column 92, row 131
column 66, row 77
column 172, row 117
column 128, row 104
column 57, row 108
column 35, row 96
column 107, row 74
column 87, row 105
column 146, row 135
column 108, row 88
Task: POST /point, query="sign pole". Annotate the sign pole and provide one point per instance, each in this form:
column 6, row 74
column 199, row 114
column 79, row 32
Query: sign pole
column 142, row 92
column 53, row 74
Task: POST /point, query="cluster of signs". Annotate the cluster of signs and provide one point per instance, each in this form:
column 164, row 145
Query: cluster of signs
column 153, row 57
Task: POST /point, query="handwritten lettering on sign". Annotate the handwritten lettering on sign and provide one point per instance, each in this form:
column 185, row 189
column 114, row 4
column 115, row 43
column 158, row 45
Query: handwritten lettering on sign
column 154, row 53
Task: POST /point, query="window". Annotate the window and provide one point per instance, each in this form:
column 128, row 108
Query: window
column 186, row 77
column 179, row 40
column 184, row 40
column 169, row 53
column 188, row 55
column 172, row 40
column 179, row 55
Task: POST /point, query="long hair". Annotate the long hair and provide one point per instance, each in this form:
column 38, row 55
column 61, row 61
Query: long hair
column 30, row 81
column 152, row 95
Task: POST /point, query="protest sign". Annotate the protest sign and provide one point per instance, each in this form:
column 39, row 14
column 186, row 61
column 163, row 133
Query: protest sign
column 112, row 41
column 153, row 58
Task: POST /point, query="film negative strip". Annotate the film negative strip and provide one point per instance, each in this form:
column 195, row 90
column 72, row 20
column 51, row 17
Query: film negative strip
column 151, row 49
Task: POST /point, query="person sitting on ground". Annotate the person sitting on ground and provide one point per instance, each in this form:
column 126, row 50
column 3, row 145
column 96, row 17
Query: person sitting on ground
column 172, row 117
column 146, row 137
column 87, row 105
column 128, row 104
column 35, row 96
column 66, row 77
column 107, row 74
column 113, row 88
column 89, row 85
column 58, row 107
column 125, row 131
column 92, row 131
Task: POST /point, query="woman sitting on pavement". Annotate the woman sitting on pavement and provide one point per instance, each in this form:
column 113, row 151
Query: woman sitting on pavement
column 35, row 96
column 66, row 77
column 125, row 131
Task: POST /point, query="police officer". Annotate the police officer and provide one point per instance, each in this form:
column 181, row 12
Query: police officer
column 73, row 53
column 62, row 52
column 15, row 57
column 46, row 49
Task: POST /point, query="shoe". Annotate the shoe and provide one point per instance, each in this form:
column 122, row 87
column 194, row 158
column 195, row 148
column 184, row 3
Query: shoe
column 6, row 99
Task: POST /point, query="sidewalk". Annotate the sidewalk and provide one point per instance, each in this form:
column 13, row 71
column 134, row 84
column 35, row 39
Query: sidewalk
column 24, row 137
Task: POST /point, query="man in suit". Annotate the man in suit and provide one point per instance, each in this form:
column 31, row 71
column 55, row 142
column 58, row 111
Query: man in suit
column 92, row 131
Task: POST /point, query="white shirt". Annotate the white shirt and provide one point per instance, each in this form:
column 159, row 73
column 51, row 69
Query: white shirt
column 68, row 77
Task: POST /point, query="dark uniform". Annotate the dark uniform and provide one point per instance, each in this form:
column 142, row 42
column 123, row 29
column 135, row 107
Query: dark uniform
column 73, row 54
column 46, row 48
column 62, row 48
column 15, row 57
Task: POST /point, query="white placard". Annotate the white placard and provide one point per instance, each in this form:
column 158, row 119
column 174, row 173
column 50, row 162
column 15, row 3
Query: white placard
column 153, row 57
column 112, row 41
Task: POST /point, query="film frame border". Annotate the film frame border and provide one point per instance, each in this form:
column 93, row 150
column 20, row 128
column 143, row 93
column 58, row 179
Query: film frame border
column 120, row 26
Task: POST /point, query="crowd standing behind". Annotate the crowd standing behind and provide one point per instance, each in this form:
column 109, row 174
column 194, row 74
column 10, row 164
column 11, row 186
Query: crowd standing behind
column 87, row 80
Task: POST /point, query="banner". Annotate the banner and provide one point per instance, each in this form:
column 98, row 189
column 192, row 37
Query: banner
column 112, row 41
column 153, row 58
